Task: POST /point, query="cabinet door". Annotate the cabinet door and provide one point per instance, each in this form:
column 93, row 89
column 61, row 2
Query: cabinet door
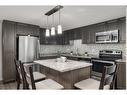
column 34, row 30
column 78, row 33
column 122, row 30
column 100, row 27
column 22, row 29
column 42, row 36
column 91, row 34
column 112, row 25
column 59, row 39
column 85, row 35
column 66, row 38
column 52, row 40
column 121, row 76
column 71, row 34
column 8, row 51
column 27, row 29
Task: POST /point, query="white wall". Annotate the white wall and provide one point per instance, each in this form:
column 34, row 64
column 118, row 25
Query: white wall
column 0, row 50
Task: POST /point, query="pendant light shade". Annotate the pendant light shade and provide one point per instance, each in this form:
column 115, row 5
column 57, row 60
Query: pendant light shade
column 47, row 33
column 59, row 29
column 53, row 31
column 53, row 28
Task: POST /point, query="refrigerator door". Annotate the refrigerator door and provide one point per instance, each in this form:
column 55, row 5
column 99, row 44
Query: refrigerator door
column 28, row 48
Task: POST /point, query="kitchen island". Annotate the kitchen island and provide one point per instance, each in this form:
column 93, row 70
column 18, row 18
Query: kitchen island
column 66, row 73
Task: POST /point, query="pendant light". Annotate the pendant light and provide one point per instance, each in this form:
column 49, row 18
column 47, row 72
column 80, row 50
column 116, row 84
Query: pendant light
column 47, row 30
column 59, row 27
column 53, row 28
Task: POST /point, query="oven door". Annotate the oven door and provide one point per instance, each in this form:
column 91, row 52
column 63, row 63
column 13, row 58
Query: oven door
column 99, row 64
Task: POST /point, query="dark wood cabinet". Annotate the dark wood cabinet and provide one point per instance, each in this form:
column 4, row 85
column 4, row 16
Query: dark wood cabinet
column 122, row 30
column 88, row 35
column 74, row 34
column 10, row 30
column 51, row 40
column 121, row 75
column 77, row 33
column 84, row 35
column 59, row 39
column 66, row 38
column 42, row 36
column 88, row 32
column 112, row 25
column 8, row 50
column 27, row 29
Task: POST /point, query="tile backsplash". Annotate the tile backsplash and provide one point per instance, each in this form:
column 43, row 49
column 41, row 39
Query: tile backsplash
column 81, row 48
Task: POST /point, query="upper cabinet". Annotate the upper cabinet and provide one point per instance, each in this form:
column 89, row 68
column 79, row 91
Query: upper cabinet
column 42, row 36
column 88, row 32
column 122, row 30
column 27, row 29
column 51, row 40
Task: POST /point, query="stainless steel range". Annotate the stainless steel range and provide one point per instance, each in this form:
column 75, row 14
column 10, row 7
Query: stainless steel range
column 106, row 58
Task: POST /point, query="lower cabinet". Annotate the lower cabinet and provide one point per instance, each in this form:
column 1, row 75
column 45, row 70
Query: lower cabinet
column 36, row 67
column 121, row 76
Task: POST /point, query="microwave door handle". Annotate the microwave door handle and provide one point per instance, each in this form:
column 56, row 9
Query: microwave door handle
column 111, row 37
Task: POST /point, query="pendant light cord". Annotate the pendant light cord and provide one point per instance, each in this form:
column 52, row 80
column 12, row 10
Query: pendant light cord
column 52, row 20
column 59, row 17
column 47, row 22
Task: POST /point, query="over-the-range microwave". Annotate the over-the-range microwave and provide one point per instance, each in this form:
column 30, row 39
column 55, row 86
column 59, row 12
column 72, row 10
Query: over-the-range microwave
column 107, row 37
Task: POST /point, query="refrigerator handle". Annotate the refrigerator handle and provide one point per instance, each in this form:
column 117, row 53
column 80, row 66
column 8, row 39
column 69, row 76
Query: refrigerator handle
column 38, row 49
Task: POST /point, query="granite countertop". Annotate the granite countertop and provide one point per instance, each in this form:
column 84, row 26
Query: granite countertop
column 80, row 56
column 46, row 55
column 63, row 66
column 121, row 61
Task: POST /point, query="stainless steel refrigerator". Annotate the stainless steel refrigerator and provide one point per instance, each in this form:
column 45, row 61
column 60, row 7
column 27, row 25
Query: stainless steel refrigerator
column 28, row 48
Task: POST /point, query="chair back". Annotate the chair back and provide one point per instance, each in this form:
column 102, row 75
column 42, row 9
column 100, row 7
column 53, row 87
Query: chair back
column 17, row 67
column 108, row 76
column 32, row 77
column 22, row 74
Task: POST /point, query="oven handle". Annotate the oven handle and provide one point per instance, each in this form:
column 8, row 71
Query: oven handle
column 102, row 61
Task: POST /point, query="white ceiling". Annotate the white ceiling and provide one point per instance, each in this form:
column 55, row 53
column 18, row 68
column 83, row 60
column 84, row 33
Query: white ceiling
column 71, row 16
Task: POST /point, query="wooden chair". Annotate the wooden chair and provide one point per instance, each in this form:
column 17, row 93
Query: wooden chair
column 45, row 84
column 18, row 79
column 38, row 76
column 20, row 75
column 107, row 80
